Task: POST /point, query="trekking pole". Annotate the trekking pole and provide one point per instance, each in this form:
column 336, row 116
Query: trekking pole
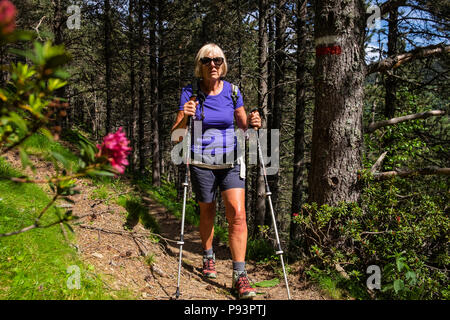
column 268, row 195
column 185, row 185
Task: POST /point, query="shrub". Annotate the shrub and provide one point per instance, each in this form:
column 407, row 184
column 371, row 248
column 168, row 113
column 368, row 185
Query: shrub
column 407, row 239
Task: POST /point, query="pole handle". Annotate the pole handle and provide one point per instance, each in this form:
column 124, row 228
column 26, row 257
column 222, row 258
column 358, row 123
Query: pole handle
column 192, row 98
column 253, row 110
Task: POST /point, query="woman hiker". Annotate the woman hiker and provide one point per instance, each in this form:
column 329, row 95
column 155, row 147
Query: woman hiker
column 220, row 105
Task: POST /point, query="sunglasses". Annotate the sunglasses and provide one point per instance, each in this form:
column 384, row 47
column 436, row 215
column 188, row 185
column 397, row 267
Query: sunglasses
column 217, row 61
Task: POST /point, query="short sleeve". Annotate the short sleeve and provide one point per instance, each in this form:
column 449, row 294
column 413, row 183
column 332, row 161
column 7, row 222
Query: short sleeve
column 240, row 100
column 186, row 93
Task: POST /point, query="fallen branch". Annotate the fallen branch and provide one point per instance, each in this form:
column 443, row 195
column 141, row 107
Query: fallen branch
column 395, row 61
column 422, row 115
column 409, row 173
column 118, row 232
column 127, row 233
column 377, row 163
column 37, row 27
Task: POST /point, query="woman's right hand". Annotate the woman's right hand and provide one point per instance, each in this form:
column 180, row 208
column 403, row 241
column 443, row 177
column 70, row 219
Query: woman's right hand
column 190, row 107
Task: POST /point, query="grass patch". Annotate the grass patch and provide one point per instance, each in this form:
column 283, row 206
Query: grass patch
column 137, row 212
column 166, row 195
column 111, row 184
column 150, row 259
column 327, row 281
column 37, row 264
column 336, row 286
column 34, row 264
column 40, row 145
column 259, row 250
column 101, row 193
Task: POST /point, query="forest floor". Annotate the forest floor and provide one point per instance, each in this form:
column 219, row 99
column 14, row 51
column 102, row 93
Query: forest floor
column 126, row 257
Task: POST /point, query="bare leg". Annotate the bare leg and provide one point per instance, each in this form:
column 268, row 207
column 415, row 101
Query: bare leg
column 234, row 200
column 207, row 214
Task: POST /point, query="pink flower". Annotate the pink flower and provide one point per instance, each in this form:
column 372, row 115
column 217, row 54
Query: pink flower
column 115, row 148
column 295, row 214
column 7, row 17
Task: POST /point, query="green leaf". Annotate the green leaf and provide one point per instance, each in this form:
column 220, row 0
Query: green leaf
column 55, row 84
column 268, row 283
column 24, row 53
column 61, row 74
column 90, row 153
column 18, row 121
column 25, row 159
column 69, row 227
column 20, row 35
column 411, row 277
column 46, row 133
column 400, row 264
column 23, row 35
column 399, row 285
column 39, row 53
column 57, row 61
column 61, row 159
column 57, row 212
column 101, row 173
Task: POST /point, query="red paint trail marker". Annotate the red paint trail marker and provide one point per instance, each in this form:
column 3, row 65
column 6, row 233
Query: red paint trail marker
column 320, row 51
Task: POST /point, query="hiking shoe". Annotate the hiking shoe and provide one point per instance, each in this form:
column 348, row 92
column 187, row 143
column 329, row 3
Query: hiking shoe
column 209, row 266
column 242, row 285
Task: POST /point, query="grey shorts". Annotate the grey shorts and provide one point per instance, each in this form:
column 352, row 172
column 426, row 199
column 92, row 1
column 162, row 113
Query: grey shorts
column 205, row 181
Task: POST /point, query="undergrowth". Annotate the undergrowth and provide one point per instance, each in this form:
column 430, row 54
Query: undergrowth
column 35, row 263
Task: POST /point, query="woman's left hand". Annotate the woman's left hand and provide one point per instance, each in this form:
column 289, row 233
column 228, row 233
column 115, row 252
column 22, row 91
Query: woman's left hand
column 254, row 120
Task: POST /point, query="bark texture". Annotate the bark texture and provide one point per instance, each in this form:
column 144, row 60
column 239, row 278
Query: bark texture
column 338, row 80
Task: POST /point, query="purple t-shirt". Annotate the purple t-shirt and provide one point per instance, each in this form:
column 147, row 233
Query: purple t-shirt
column 217, row 128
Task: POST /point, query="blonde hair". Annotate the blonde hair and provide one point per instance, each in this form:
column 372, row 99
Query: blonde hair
column 203, row 52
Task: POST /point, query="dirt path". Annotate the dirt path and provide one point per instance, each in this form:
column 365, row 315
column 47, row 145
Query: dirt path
column 130, row 260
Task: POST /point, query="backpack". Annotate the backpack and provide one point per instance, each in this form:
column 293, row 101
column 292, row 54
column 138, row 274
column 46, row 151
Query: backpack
column 201, row 96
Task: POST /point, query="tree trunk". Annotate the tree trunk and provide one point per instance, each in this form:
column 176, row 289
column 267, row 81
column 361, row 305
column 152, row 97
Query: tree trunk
column 132, row 113
column 299, row 144
column 270, row 93
column 338, row 79
column 57, row 28
column 156, row 169
column 278, row 92
column 163, row 130
column 108, row 69
column 260, row 204
column 239, row 54
column 391, row 82
column 141, row 113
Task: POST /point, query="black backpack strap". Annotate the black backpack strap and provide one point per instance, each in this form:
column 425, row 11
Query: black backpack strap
column 194, row 85
column 234, row 96
column 197, row 93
